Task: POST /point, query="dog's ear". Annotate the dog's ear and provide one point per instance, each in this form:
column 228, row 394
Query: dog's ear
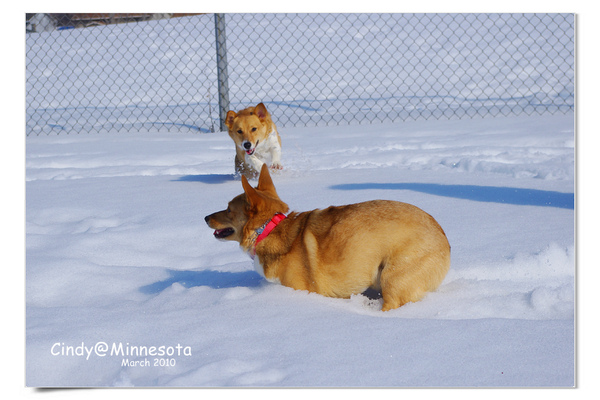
column 252, row 195
column 265, row 182
column 229, row 118
column 261, row 111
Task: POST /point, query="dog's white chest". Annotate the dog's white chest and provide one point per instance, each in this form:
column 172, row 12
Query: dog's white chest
column 260, row 269
column 267, row 146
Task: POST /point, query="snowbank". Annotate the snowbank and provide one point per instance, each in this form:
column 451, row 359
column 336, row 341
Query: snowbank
column 118, row 254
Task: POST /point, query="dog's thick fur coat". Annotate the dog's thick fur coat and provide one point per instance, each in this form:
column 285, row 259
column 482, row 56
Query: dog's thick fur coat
column 392, row 247
column 256, row 140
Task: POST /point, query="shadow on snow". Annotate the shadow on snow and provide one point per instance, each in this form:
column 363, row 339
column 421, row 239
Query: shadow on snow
column 504, row 195
column 212, row 279
column 209, row 178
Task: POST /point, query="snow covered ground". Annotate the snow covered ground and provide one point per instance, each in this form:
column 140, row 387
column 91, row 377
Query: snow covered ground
column 119, row 258
column 121, row 268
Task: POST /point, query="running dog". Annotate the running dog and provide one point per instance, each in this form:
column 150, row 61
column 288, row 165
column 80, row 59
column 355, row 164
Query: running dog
column 256, row 140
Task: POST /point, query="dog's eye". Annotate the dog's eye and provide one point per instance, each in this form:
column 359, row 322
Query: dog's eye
column 253, row 129
column 240, row 131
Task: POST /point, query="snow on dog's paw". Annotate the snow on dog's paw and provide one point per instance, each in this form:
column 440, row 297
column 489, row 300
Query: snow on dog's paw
column 276, row 167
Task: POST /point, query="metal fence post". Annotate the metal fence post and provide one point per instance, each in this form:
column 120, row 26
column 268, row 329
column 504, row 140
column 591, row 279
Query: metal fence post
column 222, row 69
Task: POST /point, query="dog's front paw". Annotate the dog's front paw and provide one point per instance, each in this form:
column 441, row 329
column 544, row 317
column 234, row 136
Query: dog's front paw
column 276, row 166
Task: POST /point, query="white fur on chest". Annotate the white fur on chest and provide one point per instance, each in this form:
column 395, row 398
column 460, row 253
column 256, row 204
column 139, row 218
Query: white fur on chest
column 266, row 147
column 261, row 271
column 258, row 267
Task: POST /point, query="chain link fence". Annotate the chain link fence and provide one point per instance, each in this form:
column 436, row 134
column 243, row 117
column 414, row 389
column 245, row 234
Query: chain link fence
column 124, row 72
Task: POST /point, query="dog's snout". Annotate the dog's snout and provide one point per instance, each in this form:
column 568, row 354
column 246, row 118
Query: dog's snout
column 207, row 218
column 247, row 145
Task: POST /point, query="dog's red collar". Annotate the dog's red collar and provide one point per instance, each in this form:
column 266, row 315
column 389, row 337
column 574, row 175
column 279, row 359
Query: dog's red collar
column 264, row 230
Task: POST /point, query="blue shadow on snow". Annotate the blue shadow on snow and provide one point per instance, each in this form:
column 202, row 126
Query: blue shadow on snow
column 212, row 279
column 210, row 178
column 504, row 195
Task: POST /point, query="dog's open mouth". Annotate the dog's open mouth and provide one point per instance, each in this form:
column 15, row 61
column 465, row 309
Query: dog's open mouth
column 251, row 150
column 223, row 233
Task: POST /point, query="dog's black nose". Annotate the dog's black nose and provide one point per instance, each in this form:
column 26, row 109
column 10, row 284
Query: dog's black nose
column 247, row 145
column 207, row 218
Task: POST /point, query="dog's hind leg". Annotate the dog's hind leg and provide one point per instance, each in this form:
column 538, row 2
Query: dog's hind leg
column 408, row 280
column 397, row 291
